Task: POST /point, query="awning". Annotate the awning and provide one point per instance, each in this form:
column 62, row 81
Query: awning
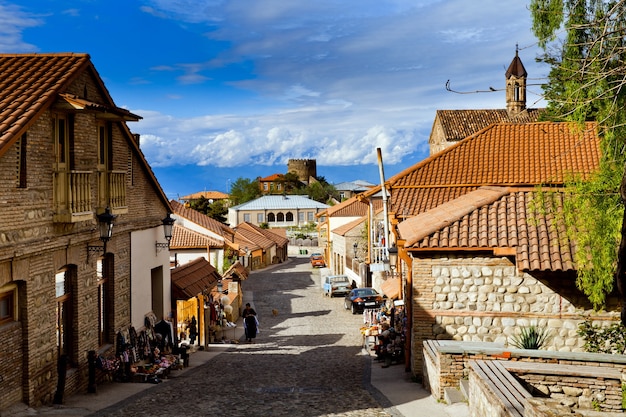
column 193, row 278
column 70, row 101
column 237, row 271
column 391, row 287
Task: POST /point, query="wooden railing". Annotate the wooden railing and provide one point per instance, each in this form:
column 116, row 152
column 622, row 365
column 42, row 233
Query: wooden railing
column 117, row 189
column 73, row 194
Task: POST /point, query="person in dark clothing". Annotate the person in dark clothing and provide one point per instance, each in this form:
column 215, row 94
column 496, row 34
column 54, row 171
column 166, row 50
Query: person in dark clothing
column 250, row 323
column 193, row 330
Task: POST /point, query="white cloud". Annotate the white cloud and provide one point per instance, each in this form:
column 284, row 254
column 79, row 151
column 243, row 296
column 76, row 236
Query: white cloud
column 12, row 22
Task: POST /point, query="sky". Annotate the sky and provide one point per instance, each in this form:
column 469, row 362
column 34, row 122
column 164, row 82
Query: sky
column 233, row 89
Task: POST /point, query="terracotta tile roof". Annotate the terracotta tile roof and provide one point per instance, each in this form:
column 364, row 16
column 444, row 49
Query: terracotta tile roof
column 238, row 271
column 537, row 239
column 502, row 154
column 266, row 233
column 424, row 224
column 243, row 241
column 459, row 124
column 183, row 238
column 252, row 235
column 209, row 195
column 29, row 84
column 273, row 177
column 202, row 220
column 352, row 207
column 193, row 278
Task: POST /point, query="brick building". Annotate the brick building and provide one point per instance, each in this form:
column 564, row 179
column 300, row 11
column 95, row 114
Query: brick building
column 66, row 157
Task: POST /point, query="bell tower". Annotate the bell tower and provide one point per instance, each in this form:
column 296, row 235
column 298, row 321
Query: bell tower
column 516, row 86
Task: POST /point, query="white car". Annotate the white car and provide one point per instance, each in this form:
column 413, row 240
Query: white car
column 336, row 285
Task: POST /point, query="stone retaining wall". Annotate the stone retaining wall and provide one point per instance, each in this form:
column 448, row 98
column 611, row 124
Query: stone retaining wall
column 447, row 362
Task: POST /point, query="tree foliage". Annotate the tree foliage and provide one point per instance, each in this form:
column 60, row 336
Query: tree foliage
column 215, row 209
column 584, row 44
column 244, row 190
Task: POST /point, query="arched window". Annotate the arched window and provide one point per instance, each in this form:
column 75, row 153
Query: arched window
column 289, row 217
column 271, row 218
column 280, row 217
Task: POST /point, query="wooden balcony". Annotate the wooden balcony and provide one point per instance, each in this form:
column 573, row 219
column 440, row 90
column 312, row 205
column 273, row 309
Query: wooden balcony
column 73, row 191
column 72, row 196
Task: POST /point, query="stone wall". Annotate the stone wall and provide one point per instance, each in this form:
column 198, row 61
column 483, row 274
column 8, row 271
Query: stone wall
column 575, row 380
column 486, row 299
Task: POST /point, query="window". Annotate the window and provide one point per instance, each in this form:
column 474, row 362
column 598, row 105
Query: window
column 246, row 217
column 342, row 195
column 271, row 217
column 21, row 162
column 280, row 217
column 301, row 217
column 279, row 186
column 259, row 217
column 7, row 305
column 310, row 216
column 289, row 216
column 265, row 186
column 64, row 311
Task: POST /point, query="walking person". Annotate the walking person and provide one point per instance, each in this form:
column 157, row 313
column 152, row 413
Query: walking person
column 250, row 323
column 193, row 330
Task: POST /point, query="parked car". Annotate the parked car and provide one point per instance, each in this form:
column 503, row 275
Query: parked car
column 318, row 261
column 359, row 299
column 336, row 285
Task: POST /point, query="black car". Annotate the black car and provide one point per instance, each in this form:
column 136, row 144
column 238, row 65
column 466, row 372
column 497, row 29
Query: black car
column 359, row 299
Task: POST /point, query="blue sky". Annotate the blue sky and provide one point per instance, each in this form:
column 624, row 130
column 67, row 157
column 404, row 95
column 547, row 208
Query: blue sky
column 231, row 89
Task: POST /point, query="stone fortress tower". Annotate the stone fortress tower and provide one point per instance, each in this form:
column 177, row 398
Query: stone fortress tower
column 304, row 168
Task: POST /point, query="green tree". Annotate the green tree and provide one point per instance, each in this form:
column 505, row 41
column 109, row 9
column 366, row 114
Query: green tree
column 320, row 190
column 584, row 43
column 244, row 190
column 215, row 209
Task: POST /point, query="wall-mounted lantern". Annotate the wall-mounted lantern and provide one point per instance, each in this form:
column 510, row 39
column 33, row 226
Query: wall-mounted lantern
column 393, row 257
column 168, row 225
column 105, row 230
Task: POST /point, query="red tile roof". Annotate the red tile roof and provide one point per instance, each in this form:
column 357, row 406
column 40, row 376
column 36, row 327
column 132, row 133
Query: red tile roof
column 252, row 235
column 183, row 238
column 278, row 239
column 203, row 220
column 193, row 278
column 459, row 124
column 493, row 218
column 501, row 154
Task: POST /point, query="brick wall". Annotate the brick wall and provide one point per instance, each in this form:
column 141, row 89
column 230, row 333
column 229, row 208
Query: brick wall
column 33, row 248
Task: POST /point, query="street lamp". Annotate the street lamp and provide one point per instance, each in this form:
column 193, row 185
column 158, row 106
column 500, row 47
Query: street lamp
column 355, row 247
column 105, row 230
column 168, row 225
column 393, row 257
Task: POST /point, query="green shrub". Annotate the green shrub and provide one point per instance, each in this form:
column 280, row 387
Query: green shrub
column 611, row 339
column 531, row 337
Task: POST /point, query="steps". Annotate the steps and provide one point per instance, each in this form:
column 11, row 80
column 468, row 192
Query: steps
column 457, row 395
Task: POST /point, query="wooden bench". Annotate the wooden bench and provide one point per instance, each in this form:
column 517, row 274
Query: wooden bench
column 502, row 384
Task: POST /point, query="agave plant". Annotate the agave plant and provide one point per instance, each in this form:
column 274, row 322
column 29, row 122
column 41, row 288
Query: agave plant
column 531, row 337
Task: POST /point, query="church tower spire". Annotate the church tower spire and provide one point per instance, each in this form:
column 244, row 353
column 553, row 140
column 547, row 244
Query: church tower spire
column 516, row 86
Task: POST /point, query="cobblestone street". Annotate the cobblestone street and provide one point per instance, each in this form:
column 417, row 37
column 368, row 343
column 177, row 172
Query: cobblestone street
column 306, row 361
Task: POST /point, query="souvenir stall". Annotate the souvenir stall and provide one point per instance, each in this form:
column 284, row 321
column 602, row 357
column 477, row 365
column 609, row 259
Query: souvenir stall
column 146, row 356
column 222, row 328
column 384, row 331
